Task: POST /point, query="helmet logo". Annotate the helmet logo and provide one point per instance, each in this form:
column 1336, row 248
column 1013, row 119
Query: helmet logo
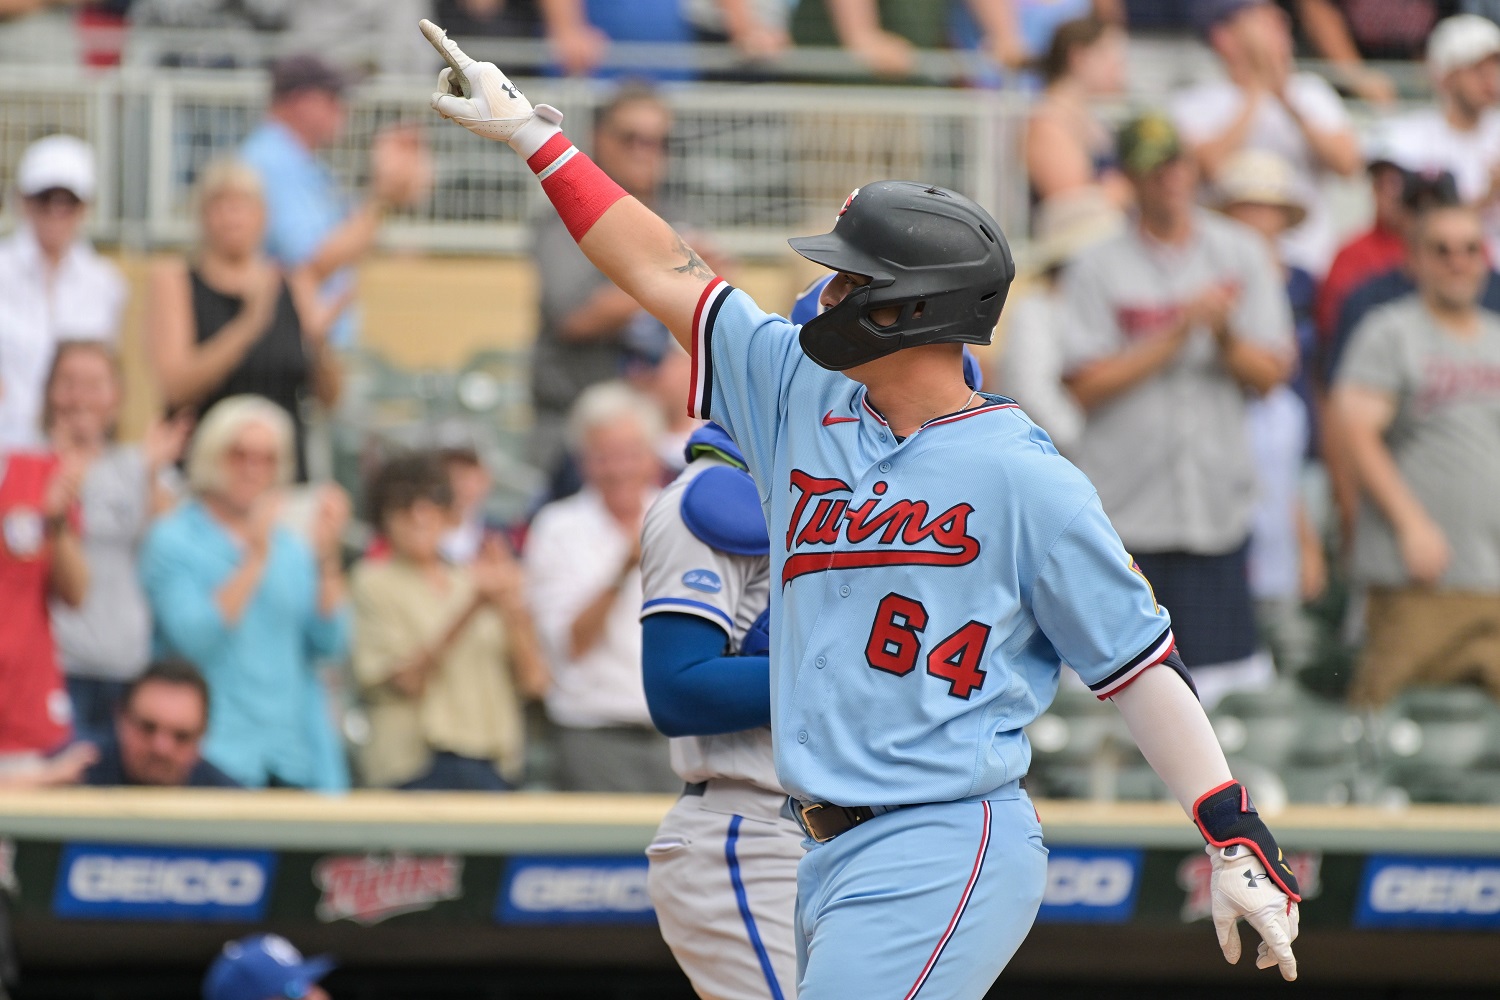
column 847, row 202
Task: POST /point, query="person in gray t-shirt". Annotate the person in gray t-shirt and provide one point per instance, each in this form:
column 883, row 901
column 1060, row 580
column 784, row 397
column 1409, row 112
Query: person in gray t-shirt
column 1174, row 323
column 1418, row 398
column 105, row 642
column 588, row 327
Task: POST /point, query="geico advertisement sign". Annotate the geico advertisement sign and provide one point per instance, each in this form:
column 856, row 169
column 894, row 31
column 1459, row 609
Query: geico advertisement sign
column 1413, row 891
column 1091, row 885
column 589, row 890
column 162, row 883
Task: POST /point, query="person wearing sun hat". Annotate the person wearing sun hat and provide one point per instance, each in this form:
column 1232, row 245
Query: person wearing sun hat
column 1171, row 325
column 1287, row 567
column 265, row 967
column 53, row 286
column 1031, row 364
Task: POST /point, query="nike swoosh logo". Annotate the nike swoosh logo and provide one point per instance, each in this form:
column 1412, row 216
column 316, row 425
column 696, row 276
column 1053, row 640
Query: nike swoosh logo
column 829, row 419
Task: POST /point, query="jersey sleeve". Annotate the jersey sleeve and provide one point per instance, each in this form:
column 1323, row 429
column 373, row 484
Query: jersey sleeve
column 1372, row 359
column 682, row 574
column 743, row 361
column 1096, row 606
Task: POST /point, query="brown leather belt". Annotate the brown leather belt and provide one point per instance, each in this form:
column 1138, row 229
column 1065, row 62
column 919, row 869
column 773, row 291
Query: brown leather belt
column 823, row 821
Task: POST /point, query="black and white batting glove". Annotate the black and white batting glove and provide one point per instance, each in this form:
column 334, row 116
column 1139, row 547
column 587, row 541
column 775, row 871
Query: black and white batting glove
column 480, row 97
column 1251, row 880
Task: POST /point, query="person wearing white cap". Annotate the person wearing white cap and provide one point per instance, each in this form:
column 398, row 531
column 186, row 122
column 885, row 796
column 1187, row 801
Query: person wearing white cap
column 1460, row 133
column 53, row 286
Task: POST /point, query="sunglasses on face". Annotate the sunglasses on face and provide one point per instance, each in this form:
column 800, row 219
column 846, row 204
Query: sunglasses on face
column 655, row 142
column 150, row 727
column 1457, row 251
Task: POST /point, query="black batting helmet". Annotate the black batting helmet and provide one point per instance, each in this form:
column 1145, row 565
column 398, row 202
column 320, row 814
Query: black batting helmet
column 934, row 253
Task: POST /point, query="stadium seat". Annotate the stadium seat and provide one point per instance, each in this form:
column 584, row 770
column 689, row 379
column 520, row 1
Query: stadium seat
column 1329, row 785
column 1262, row 726
column 1327, row 735
column 1455, row 724
column 1073, row 729
column 1139, row 783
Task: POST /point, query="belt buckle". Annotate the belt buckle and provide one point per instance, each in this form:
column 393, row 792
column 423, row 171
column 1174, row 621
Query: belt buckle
column 804, row 811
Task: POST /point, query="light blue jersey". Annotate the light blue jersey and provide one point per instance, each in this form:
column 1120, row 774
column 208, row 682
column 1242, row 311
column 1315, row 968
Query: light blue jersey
column 924, row 592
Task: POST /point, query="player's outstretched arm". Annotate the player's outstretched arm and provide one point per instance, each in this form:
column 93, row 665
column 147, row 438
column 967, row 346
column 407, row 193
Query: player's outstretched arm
column 623, row 238
column 1251, row 879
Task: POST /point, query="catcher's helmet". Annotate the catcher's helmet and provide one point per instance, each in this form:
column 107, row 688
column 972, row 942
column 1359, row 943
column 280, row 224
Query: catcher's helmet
column 934, row 253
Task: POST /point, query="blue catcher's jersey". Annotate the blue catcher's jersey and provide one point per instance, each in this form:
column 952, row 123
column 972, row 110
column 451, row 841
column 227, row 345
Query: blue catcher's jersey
column 923, row 592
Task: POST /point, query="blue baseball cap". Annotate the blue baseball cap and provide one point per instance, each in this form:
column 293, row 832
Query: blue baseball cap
column 263, row 967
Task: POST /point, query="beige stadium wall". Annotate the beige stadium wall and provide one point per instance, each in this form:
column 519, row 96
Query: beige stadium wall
column 425, row 312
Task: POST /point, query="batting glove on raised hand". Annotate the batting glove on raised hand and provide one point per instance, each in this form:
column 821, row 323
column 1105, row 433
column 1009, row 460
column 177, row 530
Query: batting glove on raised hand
column 1241, row 889
column 477, row 95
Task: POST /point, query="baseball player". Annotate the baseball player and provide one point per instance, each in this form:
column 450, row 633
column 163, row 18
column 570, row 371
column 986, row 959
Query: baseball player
column 723, row 873
column 723, row 863
column 933, row 560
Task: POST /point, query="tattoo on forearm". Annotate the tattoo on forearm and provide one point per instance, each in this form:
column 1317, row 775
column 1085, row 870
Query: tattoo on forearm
column 694, row 265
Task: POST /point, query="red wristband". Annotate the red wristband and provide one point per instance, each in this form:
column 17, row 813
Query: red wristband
column 579, row 190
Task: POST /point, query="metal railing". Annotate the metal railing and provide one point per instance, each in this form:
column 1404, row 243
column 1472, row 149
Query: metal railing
column 749, row 164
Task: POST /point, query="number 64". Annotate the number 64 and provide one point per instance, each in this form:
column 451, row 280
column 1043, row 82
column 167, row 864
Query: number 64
column 895, row 644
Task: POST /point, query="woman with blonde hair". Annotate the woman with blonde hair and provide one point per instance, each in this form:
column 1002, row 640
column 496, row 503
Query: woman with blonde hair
column 229, row 322
column 252, row 603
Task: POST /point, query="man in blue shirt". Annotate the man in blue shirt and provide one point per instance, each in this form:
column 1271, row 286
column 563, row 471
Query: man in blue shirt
column 159, row 733
column 311, row 221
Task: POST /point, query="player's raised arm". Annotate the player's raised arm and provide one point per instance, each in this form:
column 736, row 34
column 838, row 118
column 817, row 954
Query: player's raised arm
column 623, row 238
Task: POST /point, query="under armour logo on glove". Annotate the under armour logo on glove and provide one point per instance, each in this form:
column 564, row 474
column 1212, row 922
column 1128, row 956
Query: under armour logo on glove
column 1272, row 914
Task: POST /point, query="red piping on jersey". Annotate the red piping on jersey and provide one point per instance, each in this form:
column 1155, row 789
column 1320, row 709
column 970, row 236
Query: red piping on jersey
column 1132, row 678
column 963, row 903
column 952, row 417
column 695, row 398
column 969, row 413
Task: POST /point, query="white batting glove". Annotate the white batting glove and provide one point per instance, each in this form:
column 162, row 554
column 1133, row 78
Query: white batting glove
column 480, row 97
column 1241, row 889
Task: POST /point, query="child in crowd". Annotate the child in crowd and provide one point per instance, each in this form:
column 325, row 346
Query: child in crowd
column 471, row 528
column 445, row 653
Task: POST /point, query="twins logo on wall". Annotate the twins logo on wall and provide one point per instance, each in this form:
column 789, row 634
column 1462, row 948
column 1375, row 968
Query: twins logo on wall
column 1195, row 871
column 369, row 888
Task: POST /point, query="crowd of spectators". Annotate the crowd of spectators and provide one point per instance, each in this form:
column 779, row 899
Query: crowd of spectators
column 1265, row 406
column 1007, row 40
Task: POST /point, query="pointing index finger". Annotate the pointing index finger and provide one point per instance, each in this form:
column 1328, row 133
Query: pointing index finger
column 456, row 58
